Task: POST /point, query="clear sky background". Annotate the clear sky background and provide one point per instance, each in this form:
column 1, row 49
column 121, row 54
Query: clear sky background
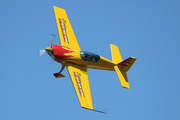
column 147, row 30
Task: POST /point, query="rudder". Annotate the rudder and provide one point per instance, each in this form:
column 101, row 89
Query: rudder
column 115, row 54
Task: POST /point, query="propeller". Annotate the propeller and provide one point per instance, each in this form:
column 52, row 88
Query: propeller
column 42, row 51
column 52, row 39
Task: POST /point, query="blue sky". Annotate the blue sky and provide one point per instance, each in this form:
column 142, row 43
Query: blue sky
column 147, row 30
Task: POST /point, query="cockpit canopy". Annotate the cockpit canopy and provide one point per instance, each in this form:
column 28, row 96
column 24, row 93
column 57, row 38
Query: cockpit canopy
column 89, row 57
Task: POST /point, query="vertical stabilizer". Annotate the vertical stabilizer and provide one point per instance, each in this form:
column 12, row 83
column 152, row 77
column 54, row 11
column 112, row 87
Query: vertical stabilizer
column 116, row 56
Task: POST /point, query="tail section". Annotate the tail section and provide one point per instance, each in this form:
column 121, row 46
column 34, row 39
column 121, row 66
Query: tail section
column 122, row 77
column 121, row 67
column 126, row 64
column 116, row 56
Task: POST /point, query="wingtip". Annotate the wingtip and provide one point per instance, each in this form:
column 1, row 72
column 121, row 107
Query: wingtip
column 55, row 7
column 127, row 87
column 132, row 58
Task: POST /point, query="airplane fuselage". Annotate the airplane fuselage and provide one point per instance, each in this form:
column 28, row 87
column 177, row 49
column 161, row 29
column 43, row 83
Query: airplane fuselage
column 63, row 54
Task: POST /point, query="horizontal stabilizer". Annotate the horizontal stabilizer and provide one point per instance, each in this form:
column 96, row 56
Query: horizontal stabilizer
column 126, row 64
column 122, row 76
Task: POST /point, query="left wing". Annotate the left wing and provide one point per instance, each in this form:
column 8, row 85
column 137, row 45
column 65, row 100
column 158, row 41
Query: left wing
column 66, row 35
column 80, row 82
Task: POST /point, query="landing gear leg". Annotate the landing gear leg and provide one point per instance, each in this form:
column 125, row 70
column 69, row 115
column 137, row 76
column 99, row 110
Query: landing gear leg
column 59, row 75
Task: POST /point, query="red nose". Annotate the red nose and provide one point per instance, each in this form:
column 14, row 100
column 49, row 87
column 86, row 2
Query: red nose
column 61, row 50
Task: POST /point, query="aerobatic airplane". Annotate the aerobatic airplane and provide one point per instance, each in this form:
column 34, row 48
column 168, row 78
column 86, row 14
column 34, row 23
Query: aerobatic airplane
column 76, row 61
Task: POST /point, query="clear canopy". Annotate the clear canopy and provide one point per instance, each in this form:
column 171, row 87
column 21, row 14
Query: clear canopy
column 89, row 57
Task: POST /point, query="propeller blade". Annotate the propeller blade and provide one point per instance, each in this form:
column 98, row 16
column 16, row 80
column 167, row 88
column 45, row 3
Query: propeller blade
column 41, row 52
column 52, row 39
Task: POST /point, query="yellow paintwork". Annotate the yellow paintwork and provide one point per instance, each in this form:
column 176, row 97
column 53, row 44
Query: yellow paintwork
column 77, row 67
column 83, row 91
column 103, row 63
column 121, row 67
column 75, row 55
column 72, row 42
column 122, row 77
column 116, row 56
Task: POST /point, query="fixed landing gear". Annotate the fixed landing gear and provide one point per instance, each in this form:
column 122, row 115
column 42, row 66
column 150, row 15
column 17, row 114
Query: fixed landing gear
column 59, row 75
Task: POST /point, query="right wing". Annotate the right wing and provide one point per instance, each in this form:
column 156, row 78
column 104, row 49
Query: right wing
column 80, row 82
column 66, row 35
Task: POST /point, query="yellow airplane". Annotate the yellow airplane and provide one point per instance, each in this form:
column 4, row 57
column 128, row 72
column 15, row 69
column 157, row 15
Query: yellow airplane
column 76, row 61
